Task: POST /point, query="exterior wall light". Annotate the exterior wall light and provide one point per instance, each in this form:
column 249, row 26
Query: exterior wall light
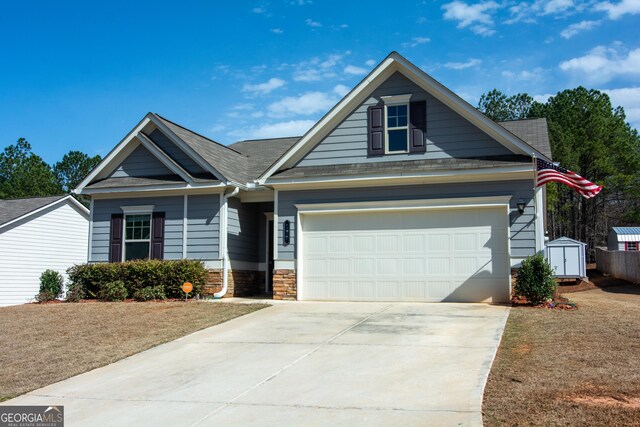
column 521, row 204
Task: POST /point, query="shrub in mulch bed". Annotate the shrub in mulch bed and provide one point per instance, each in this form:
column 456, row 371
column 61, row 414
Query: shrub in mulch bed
column 148, row 279
column 558, row 302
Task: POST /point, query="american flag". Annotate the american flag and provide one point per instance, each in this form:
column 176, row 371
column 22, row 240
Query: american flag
column 549, row 172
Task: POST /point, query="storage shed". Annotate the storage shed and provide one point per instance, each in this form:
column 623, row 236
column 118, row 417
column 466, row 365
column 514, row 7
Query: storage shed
column 37, row 234
column 624, row 239
column 567, row 257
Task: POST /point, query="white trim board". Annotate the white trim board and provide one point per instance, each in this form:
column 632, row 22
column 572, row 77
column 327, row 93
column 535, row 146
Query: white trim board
column 396, row 63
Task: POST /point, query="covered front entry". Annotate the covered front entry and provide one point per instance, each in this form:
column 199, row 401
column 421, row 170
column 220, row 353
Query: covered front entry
column 435, row 254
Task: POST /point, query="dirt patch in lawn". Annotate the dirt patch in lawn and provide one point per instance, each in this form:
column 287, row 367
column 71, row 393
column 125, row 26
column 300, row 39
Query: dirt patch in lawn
column 570, row 367
column 45, row 343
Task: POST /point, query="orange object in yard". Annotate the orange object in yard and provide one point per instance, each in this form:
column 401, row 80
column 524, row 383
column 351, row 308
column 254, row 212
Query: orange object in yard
column 187, row 287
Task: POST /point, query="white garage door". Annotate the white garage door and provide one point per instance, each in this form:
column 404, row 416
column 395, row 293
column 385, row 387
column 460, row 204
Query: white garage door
column 421, row 255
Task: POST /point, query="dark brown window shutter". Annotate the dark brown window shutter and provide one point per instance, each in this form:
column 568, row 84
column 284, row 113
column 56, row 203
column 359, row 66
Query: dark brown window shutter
column 418, row 127
column 375, row 119
column 115, row 243
column 157, row 235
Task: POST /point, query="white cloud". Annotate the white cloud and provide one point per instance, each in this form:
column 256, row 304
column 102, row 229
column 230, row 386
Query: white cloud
column 313, row 24
column 578, row 27
column 415, row 41
column 305, row 104
column 370, row 63
column 301, row 2
column 527, row 12
column 264, row 88
column 475, row 16
column 317, row 68
column 277, row 30
column 260, row 10
column 341, row 90
column 421, row 20
column 524, row 75
column 274, row 130
column 602, row 64
column 354, row 70
column 629, row 99
column 472, row 62
column 617, row 10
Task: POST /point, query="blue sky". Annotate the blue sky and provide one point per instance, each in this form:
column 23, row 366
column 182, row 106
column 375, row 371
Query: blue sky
column 80, row 75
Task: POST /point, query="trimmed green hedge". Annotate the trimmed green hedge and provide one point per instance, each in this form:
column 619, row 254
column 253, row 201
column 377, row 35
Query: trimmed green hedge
column 137, row 275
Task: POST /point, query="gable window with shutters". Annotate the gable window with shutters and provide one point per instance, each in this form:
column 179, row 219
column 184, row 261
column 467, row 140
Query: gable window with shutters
column 137, row 233
column 398, row 126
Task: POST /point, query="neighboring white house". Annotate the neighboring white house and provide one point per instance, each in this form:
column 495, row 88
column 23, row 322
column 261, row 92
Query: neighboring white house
column 624, row 239
column 37, row 234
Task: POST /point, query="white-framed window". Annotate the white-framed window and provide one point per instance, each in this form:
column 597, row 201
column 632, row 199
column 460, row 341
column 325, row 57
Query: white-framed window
column 632, row 246
column 137, row 237
column 136, row 232
column 396, row 112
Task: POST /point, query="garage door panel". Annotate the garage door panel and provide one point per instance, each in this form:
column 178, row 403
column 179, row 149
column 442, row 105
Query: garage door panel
column 444, row 255
column 413, row 243
column 363, row 243
column 340, row 244
column 438, row 265
column 413, row 266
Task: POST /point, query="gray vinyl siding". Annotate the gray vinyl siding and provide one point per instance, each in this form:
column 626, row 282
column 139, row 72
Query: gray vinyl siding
column 448, row 134
column 175, row 152
column 203, row 227
column 103, row 209
column 141, row 163
column 242, row 231
column 522, row 239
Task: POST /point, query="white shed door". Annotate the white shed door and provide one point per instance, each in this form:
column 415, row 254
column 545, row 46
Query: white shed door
column 421, row 255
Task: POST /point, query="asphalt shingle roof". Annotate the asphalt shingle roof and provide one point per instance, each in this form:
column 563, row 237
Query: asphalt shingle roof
column 15, row 208
column 532, row 131
column 402, row 168
column 262, row 153
column 245, row 161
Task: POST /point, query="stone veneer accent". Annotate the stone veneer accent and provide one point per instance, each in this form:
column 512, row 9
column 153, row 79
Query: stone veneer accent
column 284, row 285
column 240, row 282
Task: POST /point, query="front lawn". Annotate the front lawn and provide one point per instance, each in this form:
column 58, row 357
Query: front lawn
column 45, row 343
column 577, row 367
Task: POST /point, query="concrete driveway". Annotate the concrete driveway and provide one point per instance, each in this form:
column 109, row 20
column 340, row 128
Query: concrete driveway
column 300, row 364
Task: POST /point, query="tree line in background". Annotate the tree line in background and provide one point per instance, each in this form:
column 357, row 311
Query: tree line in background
column 590, row 137
column 25, row 174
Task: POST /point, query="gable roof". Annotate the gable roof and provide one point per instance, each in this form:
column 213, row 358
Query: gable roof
column 229, row 162
column 391, row 64
column 532, row 131
column 12, row 210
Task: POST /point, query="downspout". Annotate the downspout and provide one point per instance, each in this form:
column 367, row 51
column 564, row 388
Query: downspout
column 223, row 242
